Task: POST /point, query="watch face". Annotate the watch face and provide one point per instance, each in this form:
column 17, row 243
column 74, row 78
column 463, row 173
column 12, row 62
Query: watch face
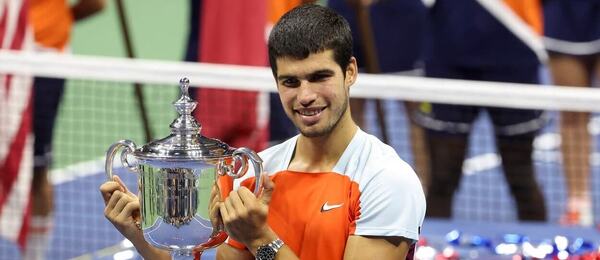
column 265, row 253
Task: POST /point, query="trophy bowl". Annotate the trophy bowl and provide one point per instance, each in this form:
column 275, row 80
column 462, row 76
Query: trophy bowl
column 175, row 177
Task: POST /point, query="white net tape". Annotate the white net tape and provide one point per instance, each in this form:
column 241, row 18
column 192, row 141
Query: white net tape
column 447, row 91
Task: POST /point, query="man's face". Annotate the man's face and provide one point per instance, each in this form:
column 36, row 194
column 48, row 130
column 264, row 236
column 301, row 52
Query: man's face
column 314, row 91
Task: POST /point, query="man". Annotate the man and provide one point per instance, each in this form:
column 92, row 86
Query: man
column 333, row 192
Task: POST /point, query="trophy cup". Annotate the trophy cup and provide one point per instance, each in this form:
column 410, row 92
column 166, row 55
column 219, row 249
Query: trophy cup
column 175, row 178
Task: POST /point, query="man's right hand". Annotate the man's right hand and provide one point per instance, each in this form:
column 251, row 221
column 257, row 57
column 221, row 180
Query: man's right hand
column 122, row 208
column 123, row 211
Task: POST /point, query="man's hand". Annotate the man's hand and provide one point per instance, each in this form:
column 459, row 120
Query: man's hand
column 123, row 211
column 122, row 208
column 245, row 215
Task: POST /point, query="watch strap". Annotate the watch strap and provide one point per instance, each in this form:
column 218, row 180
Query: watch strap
column 268, row 251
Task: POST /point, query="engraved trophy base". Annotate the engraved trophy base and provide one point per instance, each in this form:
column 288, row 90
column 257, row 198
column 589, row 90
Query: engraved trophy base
column 182, row 255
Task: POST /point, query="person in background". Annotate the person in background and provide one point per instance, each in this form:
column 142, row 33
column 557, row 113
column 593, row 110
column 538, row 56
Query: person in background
column 52, row 22
column 223, row 31
column 470, row 41
column 572, row 38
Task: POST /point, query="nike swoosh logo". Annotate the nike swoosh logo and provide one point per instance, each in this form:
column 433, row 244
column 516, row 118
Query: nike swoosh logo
column 327, row 207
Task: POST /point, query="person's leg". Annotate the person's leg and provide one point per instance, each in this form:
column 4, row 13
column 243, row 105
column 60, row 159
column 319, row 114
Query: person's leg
column 47, row 95
column 575, row 141
column 597, row 69
column 440, row 151
column 520, row 176
column 515, row 130
column 446, row 152
column 418, row 145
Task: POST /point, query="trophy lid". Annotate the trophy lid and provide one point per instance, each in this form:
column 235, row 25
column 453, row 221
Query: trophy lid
column 185, row 143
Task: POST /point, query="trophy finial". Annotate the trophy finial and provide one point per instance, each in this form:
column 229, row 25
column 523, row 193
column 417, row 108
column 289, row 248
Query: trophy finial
column 184, row 106
column 184, row 85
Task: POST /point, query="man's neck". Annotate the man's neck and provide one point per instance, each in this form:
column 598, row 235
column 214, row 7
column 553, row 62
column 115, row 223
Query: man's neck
column 320, row 154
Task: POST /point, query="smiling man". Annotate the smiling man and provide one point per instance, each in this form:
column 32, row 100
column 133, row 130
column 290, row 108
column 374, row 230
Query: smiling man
column 340, row 193
column 334, row 191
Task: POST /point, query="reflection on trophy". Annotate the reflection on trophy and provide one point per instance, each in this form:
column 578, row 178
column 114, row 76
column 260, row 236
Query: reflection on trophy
column 176, row 175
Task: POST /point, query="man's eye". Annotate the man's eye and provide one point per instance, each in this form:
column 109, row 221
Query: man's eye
column 291, row 82
column 319, row 77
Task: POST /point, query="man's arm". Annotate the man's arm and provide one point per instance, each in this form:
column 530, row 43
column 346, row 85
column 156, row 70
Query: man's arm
column 391, row 214
column 373, row 247
column 357, row 247
column 86, row 8
column 225, row 252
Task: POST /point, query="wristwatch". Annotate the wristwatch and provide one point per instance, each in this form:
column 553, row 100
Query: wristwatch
column 268, row 251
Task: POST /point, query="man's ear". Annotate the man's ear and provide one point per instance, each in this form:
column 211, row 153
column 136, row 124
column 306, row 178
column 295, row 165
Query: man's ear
column 351, row 72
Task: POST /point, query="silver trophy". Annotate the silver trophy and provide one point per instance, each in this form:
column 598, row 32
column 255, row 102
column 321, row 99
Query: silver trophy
column 175, row 178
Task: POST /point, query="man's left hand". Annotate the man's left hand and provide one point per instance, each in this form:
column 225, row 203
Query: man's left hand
column 245, row 215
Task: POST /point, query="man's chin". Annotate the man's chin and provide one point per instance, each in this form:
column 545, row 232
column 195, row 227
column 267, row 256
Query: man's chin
column 311, row 134
column 314, row 132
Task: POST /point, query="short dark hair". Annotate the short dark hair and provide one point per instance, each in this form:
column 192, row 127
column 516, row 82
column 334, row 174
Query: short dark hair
column 310, row 29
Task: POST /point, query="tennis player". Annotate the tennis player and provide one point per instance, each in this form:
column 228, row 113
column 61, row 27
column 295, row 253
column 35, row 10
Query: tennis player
column 334, row 191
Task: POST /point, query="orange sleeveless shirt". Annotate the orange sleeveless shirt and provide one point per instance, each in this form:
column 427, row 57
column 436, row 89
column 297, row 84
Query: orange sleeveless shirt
column 51, row 21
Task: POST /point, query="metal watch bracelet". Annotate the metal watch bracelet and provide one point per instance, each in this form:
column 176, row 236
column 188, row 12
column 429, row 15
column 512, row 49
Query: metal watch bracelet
column 269, row 251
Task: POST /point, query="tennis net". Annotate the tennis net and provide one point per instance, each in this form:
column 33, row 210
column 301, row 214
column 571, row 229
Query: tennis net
column 100, row 107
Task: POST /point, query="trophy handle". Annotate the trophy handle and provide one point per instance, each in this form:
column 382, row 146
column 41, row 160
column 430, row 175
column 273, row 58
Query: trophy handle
column 244, row 155
column 129, row 147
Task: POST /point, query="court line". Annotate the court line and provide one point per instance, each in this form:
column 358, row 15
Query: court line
column 77, row 171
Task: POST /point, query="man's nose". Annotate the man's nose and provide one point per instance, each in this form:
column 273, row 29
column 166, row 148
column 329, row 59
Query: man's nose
column 306, row 94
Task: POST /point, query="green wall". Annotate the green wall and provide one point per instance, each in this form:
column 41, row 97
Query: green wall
column 158, row 30
column 95, row 114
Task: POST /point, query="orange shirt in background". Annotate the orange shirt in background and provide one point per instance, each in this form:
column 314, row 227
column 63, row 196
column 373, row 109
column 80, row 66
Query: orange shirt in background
column 276, row 8
column 530, row 11
column 51, row 21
